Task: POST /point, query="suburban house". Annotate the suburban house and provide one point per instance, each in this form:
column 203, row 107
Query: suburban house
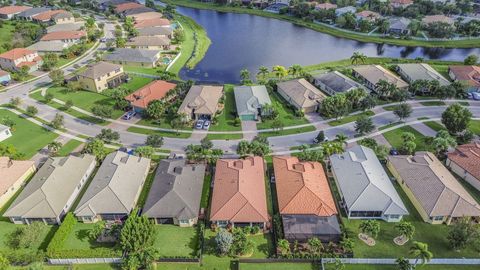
column 138, row 10
column 146, row 16
column 28, row 14
column 433, row 190
column 201, row 102
column 14, row 174
column 149, row 43
column 52, row 191
column 134, row 57
column 301, row 94
column 335, row 82
column 250, row 101
column 65, row 36
column 365, row 189
column 465, row 162
column 126, row 6
column 343, row 10
column 155, row 31
column 4, row 76
column 305, row 201
column 400, row 3
column 325, row 6
column 101, row 75
column 8, row 12
column 5, row 132
column 114, row 191
column 52, row 46
column 414, row 72
column 16, row 58
column 49, row 16
column 155, row 90
column 469, row 75
column 437, row 19
column 371, row 75
column 399, row 26
column 63, row 18
column 239, row 197
column 155, row 22
column 367, row 15
column 175, row 195
column 76, row 26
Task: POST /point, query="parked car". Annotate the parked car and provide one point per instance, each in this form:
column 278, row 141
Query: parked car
column 206, row 124
column 199, row 124
column 476, row 96
column 103, row 40
column 128, row 115
column 326, row 139
column 5, row 83
column 394, row 152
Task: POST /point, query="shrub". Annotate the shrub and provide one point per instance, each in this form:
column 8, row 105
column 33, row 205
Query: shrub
column 58, row 240
column 28, row 236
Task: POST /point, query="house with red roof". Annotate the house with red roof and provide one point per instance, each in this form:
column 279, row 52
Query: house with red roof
column 155, row 90
column 9, row 12
column 465, row 161
column 305, row 201
column 126, row 6
column 17, row 58
column 239, row 197
column 400, row 3
column 469, row 75
column 156, row 22
column 65, row 36
column 54, row 16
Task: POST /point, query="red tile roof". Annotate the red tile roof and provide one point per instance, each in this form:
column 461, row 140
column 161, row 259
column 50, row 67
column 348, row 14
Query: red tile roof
column 16, row 53
column 302, row 188
column 152, row 22
column 471, row 74
column 401, row 2
column 126, row 6
column 153, row 91
column 13, row 9
column 239, row 191
column 60, row 35
column 467, row 156
column 46, row 16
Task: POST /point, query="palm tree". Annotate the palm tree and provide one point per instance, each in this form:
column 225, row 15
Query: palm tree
column 341, row 138
column 53, row 147
column 358, row 57
column 280, row 72
column 403, row 264
column 263, row 72
column 295, row 70
column 245, row 76
column 384, row 88
column 420, row 251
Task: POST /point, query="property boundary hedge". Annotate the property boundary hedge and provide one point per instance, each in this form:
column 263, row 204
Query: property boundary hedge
column 58, row 240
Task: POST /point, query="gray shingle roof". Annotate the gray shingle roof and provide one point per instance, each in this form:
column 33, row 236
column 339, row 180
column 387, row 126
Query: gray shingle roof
column 399, row 23
column 203, row 99
column 176, row 190
column 364, row 183
column 149, row 41
column 116, row 186
column 32, row 11
column 47, row 194
column 155, row 31
column 137, row 11
column 421, row 71
column 337, row 81
column 133, row 55
column 65, row 27
column 249, row 98
column 99, row 69
column 301, row 92
column 48, row 46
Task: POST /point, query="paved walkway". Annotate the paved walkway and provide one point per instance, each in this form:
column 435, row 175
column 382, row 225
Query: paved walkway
column 251, row 127
column 198, row 134
column 424, row 129
column 43, row 154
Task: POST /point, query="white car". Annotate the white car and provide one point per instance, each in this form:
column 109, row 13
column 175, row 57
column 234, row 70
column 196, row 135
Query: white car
column 206, row 124
column 199, row 124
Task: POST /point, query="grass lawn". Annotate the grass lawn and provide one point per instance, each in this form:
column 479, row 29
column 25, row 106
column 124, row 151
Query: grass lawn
column 224, row 136
column 278, row 266
column 390, row 125
column 68, row 147
column 145, row 70
column 164, row 122
column 102, row 266
column 434, row 125
column 225, row 120
column 285, row 132
column 475, row 126
column 394, row 267
column 206, row 190
column 350, row 118
column 394, row 137
column 263, row 245
column 433, row 103
column 28, row 138
column 390, row 107
column 464, row 103
column 78, row 238
column 146, row 187
column 180, row 135
column 285, row 113
column 174, row 241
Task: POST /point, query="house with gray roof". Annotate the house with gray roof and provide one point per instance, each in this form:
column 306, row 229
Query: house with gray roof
column 335, row 82
column 365, row 188
column 75, row 26
column 250, row 101
column 399, row 26
column 51, row 46
column 433, row 190
column 29, row 13
column 371, row 75
column 52, row 191
column 420, row 71
column 175, row 195
column 343, row 10
column 156, row 31
column 134, row 57
column 149, row 43
column 301, row 94
column 115, row 189
column 138, row 10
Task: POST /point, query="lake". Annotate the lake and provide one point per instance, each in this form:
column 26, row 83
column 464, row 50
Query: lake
column 246, row 41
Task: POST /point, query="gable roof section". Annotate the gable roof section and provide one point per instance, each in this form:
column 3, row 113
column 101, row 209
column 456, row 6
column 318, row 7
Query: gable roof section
column 249, row 98
column 148, row 41
column 61, row 35
column 302, row 93
column 364, row 184
column 400, row 23
column 376, row 73
column 48, row 15
column 126, row 6
column 467, row 156
column 16, row 53
column 133, row 55
column 47, row 194
column 11, row 171
column 337, row 81
column 150, row 15
column 155, row 31
column 99, row 69
column 422, row 71
column 116, row 186
column 176, row 190
column 153, row 22
column 239, row 191
column 437, row 190
column 75, row 26
column 302, row 188
column 202, row 99
column 7, row 10
column 470, row 74
column 33, row 11
column 138, row 10
column 155, row 90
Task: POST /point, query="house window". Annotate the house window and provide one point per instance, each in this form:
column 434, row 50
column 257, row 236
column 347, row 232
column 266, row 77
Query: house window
column 183, row 221
column 437, row 218
column 222, row 223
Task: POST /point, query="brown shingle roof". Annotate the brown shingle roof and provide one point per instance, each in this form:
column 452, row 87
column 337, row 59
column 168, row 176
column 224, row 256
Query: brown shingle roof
column 155, row 90
column 148, row 41
column 470, row 74
column 437, row 190
column 11, row 171
column 467, row 156
column 13, row 9
column 239, row 191
column 302, row 188
column 61, row 35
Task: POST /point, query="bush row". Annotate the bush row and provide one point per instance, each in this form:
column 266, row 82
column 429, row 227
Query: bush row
column 23, row 257
column 58, row 240
column 100, row 252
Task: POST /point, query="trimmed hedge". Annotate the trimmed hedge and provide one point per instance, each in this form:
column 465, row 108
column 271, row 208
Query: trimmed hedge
column 99, row 252
column 58, row 240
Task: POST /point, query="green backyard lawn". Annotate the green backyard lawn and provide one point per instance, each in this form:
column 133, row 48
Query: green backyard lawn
column 394, row 267
column 285, row 114
column 78, row 239
column 175, row 241
column 69, row 147
column 278, row 266
column 350, row 118
column 394, row 137
column 28, row 138
column 434, row 125
column 475, row 126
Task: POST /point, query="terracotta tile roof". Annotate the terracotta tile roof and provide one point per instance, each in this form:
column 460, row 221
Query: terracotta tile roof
column 60, row 35
column 16, row 53
column 367, row 14
column 153, row 91
column 146, row 16
column 13, row 9
column 302, row 188
column 126, row 6
column 325, row 6
column 152, row 22
column 11, row 171
column 46, row 16
column 467, row 156
column 471, row 74
column 437, row 18
column 239, row 191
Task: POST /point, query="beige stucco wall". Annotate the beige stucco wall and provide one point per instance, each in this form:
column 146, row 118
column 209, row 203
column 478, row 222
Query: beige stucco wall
column 65, row 20
column 463, row 174
column 100, row 84
column 4, row 198
column 136, row 64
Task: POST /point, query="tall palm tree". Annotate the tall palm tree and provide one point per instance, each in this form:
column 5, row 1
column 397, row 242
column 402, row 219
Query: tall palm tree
column 53, row 147
column 295, row 70
column 358, row 57
column 280, row 72
column 420, row 251
column 263, row 72
column 403, row 264
column 245, row 76
column 341, row 138
column 384, row 88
